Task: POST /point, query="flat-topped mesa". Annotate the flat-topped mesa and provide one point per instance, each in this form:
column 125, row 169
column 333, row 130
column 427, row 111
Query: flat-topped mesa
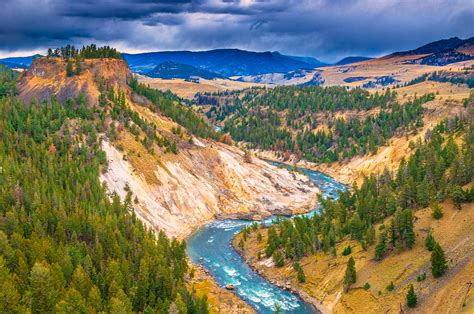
column 48, row 76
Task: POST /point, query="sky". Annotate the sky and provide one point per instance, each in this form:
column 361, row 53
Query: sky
column 325, row 29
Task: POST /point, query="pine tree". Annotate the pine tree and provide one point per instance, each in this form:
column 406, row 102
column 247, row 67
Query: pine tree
column 436, row 211
column 43, row 291
column 78, row 66
column 350, row 276
column 411, row 297
column 457, row 195
column 439, row 265
column 430, row 241
column 381, row 247
column 300, row 272
column 69, row 71
column 278, row 259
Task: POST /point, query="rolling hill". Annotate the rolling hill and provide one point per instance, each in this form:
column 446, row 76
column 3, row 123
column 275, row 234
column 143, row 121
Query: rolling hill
column 441, row 52
column 18, row 62
column 173, row 70
column 352, row 59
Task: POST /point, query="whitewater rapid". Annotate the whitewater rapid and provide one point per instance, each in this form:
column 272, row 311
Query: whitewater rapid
column 211, row 246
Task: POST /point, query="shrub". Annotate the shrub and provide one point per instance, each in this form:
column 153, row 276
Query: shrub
column 390, row 286
column 436, row 211
column 347, row 250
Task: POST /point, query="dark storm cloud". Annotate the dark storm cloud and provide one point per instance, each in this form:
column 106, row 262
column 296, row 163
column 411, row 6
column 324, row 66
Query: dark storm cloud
column 328, row 29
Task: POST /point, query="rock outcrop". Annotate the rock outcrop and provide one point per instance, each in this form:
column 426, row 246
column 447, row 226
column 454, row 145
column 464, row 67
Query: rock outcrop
column 206, row 183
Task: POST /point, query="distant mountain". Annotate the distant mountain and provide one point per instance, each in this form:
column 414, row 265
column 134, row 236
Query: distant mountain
column 352, row 59
column 310, row 60
column 172, row 70
column 225, row 62
column 437, row 46
column 18, row 62
column 441, row 52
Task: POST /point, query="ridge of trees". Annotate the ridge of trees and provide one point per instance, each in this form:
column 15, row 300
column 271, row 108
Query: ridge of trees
column 286, row 119
column 443, row 76
column 86, row 52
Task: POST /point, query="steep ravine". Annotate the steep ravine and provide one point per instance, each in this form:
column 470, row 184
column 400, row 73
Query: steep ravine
column 208, row 183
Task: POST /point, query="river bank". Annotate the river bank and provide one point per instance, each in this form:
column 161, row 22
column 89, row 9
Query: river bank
column 286, row 285
column 324, row 272
column 211, row 247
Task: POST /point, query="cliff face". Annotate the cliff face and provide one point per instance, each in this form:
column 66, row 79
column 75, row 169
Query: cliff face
column 47, row 77
column 172, row 192
column 205, row 183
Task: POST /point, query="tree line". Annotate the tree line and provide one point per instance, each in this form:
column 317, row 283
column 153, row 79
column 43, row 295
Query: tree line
column 263, row 125
column 86, row 52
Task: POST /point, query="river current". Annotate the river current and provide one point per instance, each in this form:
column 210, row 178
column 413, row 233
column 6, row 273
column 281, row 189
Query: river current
column 211, row 246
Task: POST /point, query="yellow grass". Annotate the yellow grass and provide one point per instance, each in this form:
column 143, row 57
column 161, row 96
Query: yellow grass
column 324, row 273
column 187, row 90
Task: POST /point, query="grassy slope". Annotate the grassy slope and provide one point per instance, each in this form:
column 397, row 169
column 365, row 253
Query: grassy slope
column 324, row 273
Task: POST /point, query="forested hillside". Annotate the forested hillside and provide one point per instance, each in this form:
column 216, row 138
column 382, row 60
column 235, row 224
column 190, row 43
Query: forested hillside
column 314, row 123
column 440, row 168
column 7, row 81
column 65, row 245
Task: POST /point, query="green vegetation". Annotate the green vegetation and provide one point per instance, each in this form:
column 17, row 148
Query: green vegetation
column 284, row 119
column 167, row 104
column 300, row 273
column 131, row 120
column 430, row 241
column 86, row 52
column 439, row 265
column 69, row 70
column 466, row 77
column 7, row 81
column 411, row 297
column 390, row 286
column 350, row 276
column 347, row 250
column 438, row 166
column 421, row 277
column 278, row 259
column 436, row 211
column 65, row 246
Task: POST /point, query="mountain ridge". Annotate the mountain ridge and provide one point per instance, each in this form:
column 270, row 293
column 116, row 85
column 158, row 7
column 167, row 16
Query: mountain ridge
column 225, row 62
column 174, row 70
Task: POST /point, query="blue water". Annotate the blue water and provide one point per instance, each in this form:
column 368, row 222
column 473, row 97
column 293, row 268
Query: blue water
column 212, row 243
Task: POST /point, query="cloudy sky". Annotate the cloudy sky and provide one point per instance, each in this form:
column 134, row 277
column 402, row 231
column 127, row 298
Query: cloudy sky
column 326, row 29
